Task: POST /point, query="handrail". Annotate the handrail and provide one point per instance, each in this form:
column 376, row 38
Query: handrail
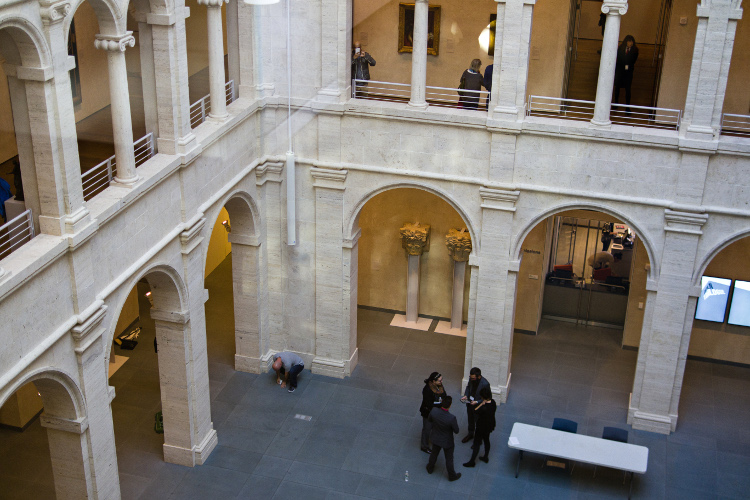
column 15, row 233
column 435, row 96
column 622, row 114
column 96, row 179
column 738, row 125
column 201, row 108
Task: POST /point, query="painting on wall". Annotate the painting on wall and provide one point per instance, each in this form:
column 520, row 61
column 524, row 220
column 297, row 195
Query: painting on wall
column 406, row 28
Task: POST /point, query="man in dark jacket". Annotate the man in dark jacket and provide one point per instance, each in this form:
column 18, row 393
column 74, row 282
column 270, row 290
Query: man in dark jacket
column 472, row 399
column 627, row 54
column 444, row 426
column 361, row 62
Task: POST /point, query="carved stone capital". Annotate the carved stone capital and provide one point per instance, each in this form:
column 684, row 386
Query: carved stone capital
column 54, row 12
column 684, row 222
column 115, row 43
column 190, row 238
column 459, row 246
column 499, row 199
column 615, row 7
column 415, row 238
column 212, row 3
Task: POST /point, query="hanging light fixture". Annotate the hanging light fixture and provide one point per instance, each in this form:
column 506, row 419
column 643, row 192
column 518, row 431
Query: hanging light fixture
column 260, row 2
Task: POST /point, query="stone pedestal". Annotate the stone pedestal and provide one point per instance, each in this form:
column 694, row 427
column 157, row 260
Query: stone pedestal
column 415, row 239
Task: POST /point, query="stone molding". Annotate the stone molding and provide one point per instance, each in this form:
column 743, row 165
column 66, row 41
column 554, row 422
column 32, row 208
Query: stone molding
column 499, row 199
column 52, row 13
column 115, row 43
column 87, row 323
column 615, row 7
column 77, row 426
column 269, row 172
column 352, row 242
column 328, row 178
column 524, row 2
column 684, row 222
column 459, row 245
column 190, row 238
column 245, row 240
column 706, row 8
column 34, row 74
column 176, row 317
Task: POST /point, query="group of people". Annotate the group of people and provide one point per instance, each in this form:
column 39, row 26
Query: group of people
column 439, row 424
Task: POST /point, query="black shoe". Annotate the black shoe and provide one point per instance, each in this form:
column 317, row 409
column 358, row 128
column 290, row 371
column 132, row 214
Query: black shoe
column 427, row 450
column 291, row 389
column 430, row 469
column 468, row 438
column 469, row 464
column 455, row 478
column 485, row 459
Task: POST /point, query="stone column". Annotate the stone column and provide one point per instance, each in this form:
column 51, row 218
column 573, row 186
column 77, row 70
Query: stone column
column 614, row 9
column 491, row 337
column 245, row 281
column 91, row 349
column 415, row 239
column 459, row 248
column 712, row 53
column 667, row 323
column 216, row 80
column 332, row 338
column 335, row 35
column 419, row 54
column 175, row 135
column 68, row 448
column 509, row 77
column 122, row 126
column 148, row 74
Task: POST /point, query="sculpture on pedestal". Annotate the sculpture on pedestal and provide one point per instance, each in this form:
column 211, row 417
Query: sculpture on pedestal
column 459, row 248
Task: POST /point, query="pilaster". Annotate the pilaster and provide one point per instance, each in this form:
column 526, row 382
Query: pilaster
column 247, row 327
column 68, row 447
column 335, row 37
column 614, row 9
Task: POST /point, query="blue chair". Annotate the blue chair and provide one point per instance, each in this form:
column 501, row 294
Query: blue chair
column 564, row 425
column 615, row 434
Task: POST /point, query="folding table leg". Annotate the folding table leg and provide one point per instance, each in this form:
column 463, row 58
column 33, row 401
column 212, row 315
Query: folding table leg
column 631, row 486
column 518, row 464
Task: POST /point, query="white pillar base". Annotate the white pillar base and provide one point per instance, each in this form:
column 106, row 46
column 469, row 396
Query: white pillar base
column 597, row 124
column 334, row 367
column 401, row 321
column 445, row 328
column 126, row 183
column 661, row 424
column 418, row 105
column 191, row 457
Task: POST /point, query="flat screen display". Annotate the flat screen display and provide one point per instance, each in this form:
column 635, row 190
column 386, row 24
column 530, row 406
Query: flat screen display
column 739, row 311
column 712, row 303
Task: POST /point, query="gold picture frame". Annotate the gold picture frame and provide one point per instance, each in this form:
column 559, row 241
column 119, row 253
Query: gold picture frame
column 406, row 28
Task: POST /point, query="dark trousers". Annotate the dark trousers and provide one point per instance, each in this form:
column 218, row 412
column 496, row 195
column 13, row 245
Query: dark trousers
column 426, row 429
column 627, row 94
column 478, row 438
column 472, row 417
column 293, row 372
column 448, row 459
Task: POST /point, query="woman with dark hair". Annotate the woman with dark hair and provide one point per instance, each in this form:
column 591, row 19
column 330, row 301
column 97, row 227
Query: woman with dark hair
column 470, row 85
column 433, row 393
column 627, row 54
column 485, row 425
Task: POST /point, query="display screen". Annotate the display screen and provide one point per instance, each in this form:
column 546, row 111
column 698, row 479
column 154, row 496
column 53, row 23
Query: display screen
column 712, row 303
column 739, row 311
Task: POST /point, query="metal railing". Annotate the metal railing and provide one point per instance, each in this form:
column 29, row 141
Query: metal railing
column 622, row 114
column 738, row 125
column 200, row 109
column 98, row 178
column 435, row 96
column 15, row 233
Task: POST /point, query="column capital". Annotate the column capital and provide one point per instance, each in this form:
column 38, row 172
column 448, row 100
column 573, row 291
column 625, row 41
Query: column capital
column 684, row 222
column 615, row 7
column 328, row 178
column 415, row 238
column 54, row 12
column 212, row 3
column 459, row 245
column 115, row 43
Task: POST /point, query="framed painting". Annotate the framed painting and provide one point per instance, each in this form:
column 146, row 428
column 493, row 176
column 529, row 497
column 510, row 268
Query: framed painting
column 406, row 28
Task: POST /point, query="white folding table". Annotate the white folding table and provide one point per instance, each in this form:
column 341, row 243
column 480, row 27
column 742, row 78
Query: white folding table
column 579, row 448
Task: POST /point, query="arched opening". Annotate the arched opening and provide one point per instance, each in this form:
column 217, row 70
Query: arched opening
column 578, row 318
column 43, row 439
column 381, row 292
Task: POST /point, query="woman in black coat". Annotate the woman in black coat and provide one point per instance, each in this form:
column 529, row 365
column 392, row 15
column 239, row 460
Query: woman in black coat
column 471, row 80
column 433, row 393
column 627, row 54
column 484, row 427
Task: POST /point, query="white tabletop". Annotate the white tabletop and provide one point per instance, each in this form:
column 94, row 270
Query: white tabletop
column 578, row 447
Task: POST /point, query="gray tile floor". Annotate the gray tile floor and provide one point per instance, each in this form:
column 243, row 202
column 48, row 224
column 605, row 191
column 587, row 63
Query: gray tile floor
column 364, row 432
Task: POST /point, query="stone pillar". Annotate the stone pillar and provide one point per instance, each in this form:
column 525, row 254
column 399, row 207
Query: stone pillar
column 614, row 9
column 216, row 80
column 148, row 74
column 419, row 54
column 509, row 77
column 333, row 350
column 91, row 349
column 122, row 126
column 415, row 239
column 459, row 248
column 68, row 448
column 712, row 53
column 668, row 320
column 245, row 281
column 335, row 35
column 175, row 136
column 493, row 308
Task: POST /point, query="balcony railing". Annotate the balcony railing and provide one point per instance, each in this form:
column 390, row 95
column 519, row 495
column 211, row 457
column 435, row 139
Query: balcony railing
column 15, row 233
column 200, row 109
column 435, row 96
column 621, row 114
column 98, row 178
column 738, row 125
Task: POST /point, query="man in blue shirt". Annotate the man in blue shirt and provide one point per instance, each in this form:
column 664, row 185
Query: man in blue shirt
column 288, row 365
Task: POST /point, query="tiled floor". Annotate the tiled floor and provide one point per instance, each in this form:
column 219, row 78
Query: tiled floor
column 364, row 432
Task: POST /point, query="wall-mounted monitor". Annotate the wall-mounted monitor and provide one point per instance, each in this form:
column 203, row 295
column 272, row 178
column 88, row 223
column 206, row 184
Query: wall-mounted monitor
column 739, row 310
column 712, row 303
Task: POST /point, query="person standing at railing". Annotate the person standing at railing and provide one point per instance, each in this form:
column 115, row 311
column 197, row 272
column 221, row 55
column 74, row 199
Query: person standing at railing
column 488, row 82
column 627, row 54
column 470, row 85
column 361, row 62
column 5, row 194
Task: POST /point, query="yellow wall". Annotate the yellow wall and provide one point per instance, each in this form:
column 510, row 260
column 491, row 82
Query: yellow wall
column 383, row 263
column 129, row 312
column 92, row 64
column 7, row 135
column 529, row 289
column 21, row 407
column 737, row 98
column 196, row 30
column 640, row 20
column 631, row 335
column 549, row 34
column 219, row 246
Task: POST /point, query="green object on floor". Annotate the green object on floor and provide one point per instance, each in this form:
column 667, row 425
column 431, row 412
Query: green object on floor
column 159, row 424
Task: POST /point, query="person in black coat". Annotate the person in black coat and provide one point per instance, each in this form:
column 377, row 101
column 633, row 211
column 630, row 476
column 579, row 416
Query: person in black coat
column 433, row 393
column 627, row 55
column 470, row 85
column 444, row 426
column 472, row 397
column 485, row 412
